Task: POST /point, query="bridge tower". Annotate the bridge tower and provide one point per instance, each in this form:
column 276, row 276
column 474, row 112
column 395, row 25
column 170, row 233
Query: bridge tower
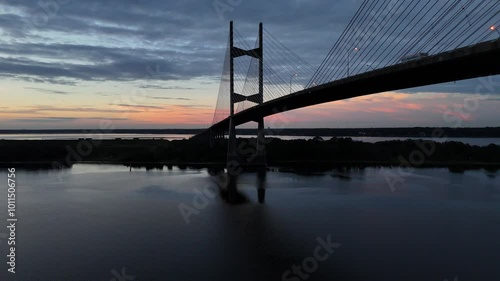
column 259, row 156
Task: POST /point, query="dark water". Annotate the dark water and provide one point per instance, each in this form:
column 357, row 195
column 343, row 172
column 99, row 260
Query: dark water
column 93, row 221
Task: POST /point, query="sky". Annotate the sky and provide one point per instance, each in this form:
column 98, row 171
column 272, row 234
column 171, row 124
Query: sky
column 67, row 64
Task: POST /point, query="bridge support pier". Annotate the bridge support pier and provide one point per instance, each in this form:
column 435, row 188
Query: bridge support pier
column 260, row 157
column 233, row 156
column 232, row 152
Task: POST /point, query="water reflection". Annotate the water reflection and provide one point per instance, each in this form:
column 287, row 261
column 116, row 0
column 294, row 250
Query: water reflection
column 347, row 173
column 119, row 218
column 261, row 185
column 228, row 184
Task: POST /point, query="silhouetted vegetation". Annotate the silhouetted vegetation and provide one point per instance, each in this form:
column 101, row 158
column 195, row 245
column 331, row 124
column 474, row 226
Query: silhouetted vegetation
column 311, row 153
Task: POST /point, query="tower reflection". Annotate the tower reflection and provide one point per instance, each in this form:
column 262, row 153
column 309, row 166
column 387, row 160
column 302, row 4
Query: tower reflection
column 227, row 183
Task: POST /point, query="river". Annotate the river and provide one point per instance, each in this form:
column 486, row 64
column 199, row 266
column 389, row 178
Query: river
column 98, row 222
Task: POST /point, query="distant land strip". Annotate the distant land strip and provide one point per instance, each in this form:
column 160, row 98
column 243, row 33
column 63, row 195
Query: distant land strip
column 414, row 132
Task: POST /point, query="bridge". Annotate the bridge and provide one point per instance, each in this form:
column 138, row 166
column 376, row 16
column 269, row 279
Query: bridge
column 387, row 46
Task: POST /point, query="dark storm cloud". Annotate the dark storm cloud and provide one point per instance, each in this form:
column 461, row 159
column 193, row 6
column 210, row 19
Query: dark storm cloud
column 181, row 39
column 12, row 25
column 194, row 30
column 123, row 66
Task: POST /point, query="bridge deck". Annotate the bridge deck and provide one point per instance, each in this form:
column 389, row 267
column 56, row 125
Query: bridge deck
column 465, row 63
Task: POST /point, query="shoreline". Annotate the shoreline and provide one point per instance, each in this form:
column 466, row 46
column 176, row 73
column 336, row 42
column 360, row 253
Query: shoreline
column 314, row 153
column 281, row 164
column 398, row 132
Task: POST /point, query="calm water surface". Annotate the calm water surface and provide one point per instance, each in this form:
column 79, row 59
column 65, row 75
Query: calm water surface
column 92, row 221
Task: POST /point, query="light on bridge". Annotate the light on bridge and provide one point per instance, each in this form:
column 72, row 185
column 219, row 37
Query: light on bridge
column 494, row 28
column 349, row 60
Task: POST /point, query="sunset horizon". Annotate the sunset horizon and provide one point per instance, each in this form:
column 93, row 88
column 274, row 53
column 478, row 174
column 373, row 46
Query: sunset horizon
column 71, row 65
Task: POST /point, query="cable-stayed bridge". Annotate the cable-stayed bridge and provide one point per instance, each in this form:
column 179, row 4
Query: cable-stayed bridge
column 387, row 45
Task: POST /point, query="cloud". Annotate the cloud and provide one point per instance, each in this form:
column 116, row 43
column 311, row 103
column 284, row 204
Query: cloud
column 124, row 40
column 44, row 119
column 138, row 106
column 45, row 109
column 193, row 106
column 61, row 119
column 47, row 91
column 493, row 99
column 156, row 44
column 103, row 94
column 167, row 98
column 126, row 69
column 117, row 40
column 165, row 87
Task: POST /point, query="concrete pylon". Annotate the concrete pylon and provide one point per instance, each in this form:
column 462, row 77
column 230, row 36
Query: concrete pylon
column 259, row 159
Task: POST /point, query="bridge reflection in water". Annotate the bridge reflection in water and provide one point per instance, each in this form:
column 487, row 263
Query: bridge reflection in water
column 227, row 183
